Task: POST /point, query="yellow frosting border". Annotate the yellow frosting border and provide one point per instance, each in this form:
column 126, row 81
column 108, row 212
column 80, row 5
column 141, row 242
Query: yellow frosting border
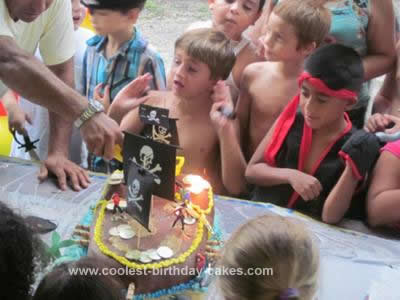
column 98, row 231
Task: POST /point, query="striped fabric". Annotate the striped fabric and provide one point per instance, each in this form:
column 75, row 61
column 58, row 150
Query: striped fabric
column 134, row 58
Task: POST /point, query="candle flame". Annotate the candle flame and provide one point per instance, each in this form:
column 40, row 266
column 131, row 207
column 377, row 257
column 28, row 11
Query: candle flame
column 196, row 183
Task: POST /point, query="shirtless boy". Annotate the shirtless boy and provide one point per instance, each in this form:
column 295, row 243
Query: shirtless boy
column 295, row 29
column 202, row 57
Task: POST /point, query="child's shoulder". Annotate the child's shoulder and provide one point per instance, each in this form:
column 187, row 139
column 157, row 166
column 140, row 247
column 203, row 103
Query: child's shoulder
column 141, row 45
column 249, row 54
column 84, row 34
column 255, row 71
column 95, row 40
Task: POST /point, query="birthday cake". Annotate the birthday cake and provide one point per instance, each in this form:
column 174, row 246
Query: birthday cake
column 169, row 255
column 152, row 224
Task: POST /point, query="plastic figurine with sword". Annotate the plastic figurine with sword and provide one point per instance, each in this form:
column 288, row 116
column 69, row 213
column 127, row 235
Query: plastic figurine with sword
column 28, row 145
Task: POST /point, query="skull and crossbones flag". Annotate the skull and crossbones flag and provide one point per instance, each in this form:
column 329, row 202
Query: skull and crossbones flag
column 157, row 158
column 154, row 115
column 162, row 134
column 139, row 194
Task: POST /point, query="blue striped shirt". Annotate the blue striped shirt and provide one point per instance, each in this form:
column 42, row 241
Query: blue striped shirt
column 135, row 57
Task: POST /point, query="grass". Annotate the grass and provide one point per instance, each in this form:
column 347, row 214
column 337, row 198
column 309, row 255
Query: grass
column 158, row 8
column 153, row 8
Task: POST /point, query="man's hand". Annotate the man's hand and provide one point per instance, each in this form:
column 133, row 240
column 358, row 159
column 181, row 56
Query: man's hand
column 64, row 169
column 307, row 186
column 17, row 118
column 101, row 134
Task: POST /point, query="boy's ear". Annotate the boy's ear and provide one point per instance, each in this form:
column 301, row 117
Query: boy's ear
column 133, row 14
column 308, row 49
column 257, row 17
column 211, row 4
column 349, row 105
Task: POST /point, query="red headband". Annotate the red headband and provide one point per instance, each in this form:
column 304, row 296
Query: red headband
column 323, row 88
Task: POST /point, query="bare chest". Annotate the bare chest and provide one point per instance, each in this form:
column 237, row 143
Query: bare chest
column 199, row 144
column 270, row 96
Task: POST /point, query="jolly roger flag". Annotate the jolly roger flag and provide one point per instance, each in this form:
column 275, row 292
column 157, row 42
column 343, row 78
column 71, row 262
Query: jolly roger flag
column 162, row 134
column 154, row 115
column 157, row 158
column 139, row 194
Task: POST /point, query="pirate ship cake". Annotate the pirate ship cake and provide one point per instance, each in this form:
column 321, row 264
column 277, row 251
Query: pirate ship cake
column 151, row 224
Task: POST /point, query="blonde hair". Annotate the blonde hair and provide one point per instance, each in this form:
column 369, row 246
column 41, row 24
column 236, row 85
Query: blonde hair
column 273, row 242
column 310, row 19
column 209, row 47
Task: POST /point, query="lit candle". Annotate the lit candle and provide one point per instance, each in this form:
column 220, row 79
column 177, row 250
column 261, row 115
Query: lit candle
column 198, row 188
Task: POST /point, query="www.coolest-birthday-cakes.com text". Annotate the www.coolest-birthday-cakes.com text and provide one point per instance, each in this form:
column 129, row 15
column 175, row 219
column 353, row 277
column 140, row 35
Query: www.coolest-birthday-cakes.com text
column 171, row 271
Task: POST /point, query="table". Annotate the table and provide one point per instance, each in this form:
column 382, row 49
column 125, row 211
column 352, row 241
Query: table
column 351, row 261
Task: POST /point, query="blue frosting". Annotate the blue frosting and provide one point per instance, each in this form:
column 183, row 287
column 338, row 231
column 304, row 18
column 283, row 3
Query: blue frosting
column 75, row 252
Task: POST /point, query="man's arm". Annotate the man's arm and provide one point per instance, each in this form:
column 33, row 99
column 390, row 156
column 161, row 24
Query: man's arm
column 60, row 129
column 60, row 134
column 30, row 78
column 25, row 74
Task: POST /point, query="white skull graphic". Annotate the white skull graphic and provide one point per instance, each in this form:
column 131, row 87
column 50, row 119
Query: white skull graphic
column 134, row 188
column 146, row 157
column 162, row 130
column 153, row 114
column 133, row 194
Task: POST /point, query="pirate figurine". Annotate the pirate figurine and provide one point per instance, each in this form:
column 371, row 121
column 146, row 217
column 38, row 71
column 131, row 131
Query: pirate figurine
column 116, row 200
column 180, row 212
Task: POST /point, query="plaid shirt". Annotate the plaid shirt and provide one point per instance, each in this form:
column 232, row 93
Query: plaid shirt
column 134, row 58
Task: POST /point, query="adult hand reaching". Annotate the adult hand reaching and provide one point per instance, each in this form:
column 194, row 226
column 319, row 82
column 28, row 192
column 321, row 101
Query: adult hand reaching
column 63, row 168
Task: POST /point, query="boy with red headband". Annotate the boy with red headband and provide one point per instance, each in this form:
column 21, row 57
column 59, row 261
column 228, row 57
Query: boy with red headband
column 311, row 159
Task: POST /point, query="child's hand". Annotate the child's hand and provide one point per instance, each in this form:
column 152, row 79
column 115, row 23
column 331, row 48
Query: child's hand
column 222, row 103
column 307, row 186
column 103, row 98
column 218, row 119
column 221, row 93
column 396, row 121
column 377, row 122
column 130, row 97
column 17, row 118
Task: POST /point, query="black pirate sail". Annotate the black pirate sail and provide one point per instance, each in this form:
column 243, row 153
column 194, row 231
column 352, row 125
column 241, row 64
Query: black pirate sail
column 152, row 115
column 161, row 134
column 139, row 185
column 157, row 158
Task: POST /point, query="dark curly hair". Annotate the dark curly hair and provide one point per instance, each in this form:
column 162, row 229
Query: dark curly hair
column 16, row 256
column 63, row 284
